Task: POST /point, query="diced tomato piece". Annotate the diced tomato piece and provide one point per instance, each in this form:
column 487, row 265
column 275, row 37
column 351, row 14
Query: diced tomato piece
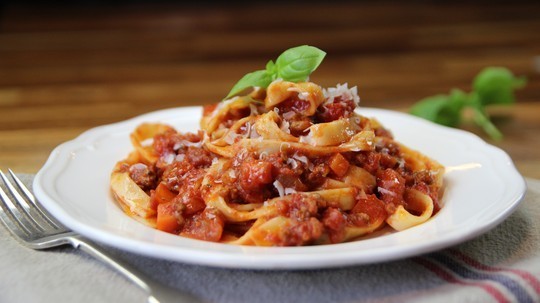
column 162, row 194
column 339, row 165
column 254, row 174
column 194, row 204
column 168, row 217
column 367, row 211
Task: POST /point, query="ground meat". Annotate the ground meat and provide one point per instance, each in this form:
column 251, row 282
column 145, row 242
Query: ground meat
column 369, row 161
column 317, row 175
column 206, row 225
column 299, row 207
column 287, row 171
column 298, row 124
column 198, row 157
column 173, row 176
column 143, row 175
column 334, row 221
column 302, row 233
column 169, row 146
column 389, row 153
column 293, row 104
column 335, row 110
column 391, row 187
column 189, row 193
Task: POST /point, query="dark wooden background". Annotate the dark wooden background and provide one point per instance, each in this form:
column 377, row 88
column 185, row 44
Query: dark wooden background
column 65, row 67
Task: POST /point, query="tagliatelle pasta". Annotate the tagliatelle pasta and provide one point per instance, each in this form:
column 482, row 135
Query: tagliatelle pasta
column 289, row 165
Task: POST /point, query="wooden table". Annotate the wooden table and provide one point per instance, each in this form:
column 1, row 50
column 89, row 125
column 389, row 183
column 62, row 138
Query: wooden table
column 66, row 69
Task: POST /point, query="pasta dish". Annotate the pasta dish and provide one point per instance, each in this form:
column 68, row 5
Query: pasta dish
column 287, row 165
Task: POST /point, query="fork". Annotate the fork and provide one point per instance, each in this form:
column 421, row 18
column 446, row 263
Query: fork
column 35, row 228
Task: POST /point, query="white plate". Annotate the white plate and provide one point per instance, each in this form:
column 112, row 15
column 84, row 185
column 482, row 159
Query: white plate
column 482, row 189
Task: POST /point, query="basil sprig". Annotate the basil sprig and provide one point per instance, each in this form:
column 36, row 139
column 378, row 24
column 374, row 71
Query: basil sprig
column 294, row 64
column 492, row 86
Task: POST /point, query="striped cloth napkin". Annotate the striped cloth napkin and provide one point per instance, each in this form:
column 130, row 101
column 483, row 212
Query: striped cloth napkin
column 502, row 265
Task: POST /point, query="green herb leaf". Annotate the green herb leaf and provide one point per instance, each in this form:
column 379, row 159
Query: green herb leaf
column 271, row 68
column 296, row 64
column 482, row 120
column 260, row 78
column 495, row 85
column 441, row 109
column 430, row 108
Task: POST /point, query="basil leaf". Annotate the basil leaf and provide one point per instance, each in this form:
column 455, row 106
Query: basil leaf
column 495, row 85
column 482, row 120
column 271, row 68
column 260, row 78
column 296, row 64
column 439, row 109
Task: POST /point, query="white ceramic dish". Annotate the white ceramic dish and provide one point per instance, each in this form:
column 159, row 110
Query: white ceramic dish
column 482, row 189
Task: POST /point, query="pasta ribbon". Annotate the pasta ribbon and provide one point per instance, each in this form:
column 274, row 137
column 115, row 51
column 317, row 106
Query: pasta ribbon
column 131, row 197
column 417, row 202
column 142, row 137
column 308, row 93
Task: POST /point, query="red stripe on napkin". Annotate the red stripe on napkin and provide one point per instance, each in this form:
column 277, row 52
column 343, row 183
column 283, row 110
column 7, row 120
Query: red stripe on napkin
column 443, row 274
column 529, row 278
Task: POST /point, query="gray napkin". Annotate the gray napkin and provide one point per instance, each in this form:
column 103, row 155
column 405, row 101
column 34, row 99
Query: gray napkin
column 501, row 265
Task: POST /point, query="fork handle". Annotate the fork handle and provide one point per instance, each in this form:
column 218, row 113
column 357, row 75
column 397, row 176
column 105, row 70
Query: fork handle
column 157, row 292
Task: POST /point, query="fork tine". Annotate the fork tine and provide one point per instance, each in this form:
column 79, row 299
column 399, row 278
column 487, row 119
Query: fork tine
column 41, row 212
column 29, row 213
column 13, row 225
column 23, row 188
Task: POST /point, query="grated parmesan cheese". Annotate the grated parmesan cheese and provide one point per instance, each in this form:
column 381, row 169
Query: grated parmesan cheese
column 168, row 158
column 263, row 155
column 386, row 191
column 184, row 143
column 292, row 163
column 285, row 126
column 279, row 188
column 283, row 191
column 341, row 90
column 180, row 157
column 302, row 159
column 288, row 115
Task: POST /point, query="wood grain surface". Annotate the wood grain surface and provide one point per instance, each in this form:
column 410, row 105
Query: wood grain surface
column 66, row 69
